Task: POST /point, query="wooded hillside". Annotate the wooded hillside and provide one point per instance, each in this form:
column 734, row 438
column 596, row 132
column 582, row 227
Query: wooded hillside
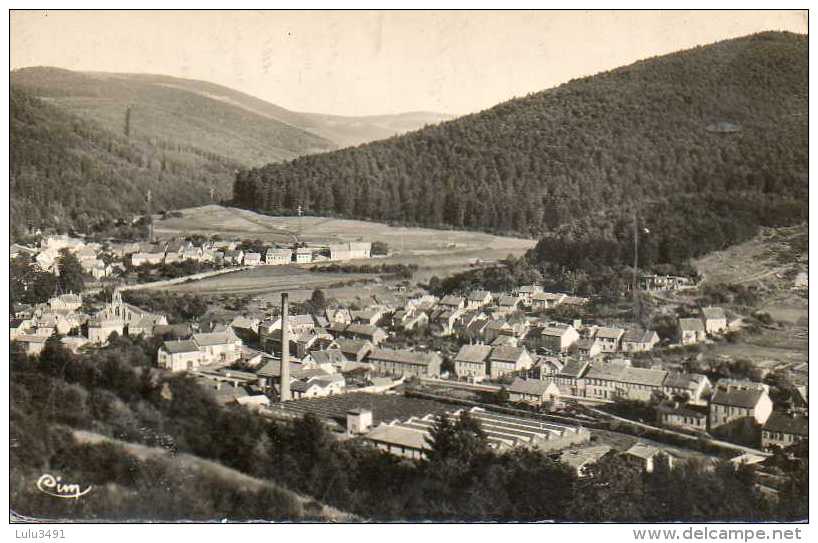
column 716, row 129
column 67, row 172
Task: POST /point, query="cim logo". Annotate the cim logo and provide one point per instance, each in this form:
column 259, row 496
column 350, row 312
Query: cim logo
column 53, row 486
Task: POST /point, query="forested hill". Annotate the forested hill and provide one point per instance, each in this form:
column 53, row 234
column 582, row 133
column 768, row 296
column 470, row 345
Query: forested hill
column 163, row 109
column 208, row 116
column 66, row 172
column 727, row 120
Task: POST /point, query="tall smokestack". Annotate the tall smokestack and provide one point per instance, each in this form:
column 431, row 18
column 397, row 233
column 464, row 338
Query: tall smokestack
column 285, row 351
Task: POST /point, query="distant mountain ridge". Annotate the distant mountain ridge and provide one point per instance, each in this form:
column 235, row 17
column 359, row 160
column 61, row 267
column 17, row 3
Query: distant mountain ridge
column 212, row 117
column 74, row 163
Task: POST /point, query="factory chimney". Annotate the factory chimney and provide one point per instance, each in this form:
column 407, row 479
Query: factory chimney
column 285, row 351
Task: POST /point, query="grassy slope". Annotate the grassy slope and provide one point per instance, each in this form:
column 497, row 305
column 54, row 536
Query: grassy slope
column 162, row 111
column 209, row 116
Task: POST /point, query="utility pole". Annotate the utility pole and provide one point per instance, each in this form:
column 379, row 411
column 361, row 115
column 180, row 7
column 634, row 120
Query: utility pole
column 128, row 122
column 637, row 313
column 284, row 388
column 150, row 215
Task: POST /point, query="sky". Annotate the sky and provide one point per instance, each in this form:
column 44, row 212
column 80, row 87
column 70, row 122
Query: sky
column 370, row 62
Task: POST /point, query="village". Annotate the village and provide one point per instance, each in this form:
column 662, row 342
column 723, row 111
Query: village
column 383, row 371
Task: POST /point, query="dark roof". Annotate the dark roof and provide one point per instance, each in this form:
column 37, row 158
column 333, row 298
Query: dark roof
column 781, row 422
column 639, row 336
column 330, row 356
column 181, row 346
column 451, row 300
column 684, row 380
column 682, row 411
column 507, row 354
column 573, row 368
column 529, row 386
column 403, row 357
column 691, row 325
column 478, row 295
column 473, row 353
column 738, row 397
column 347, row 346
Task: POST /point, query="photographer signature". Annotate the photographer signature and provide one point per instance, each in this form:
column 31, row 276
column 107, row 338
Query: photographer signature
column 53, row 486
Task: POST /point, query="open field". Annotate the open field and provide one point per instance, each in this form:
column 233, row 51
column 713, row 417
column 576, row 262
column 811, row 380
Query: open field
column 768, row 263
column 267, row 280
column 438, row 252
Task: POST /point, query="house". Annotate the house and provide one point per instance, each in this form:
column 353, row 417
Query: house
column 19, row 326
column 525, row 293
column 402, row 362
column 638, row 341
column 252, row 259
column 691, row 331
column 609, row 338
column 66, row 302
column 354, row 350
column 32, row 344
column 471, row 362
column 739, row 403
column 142, row 327
column 350, row 250
column 646, row 456
column 695, row 387
column 370, row 315
column 558, row 337
column 615, row 382
column 715, row 320
column 368, row 332
column 588, row 347
column 330, row 360
column 682, row 417
column 318, row 386
column 417, row 321
column 101, row 328
column 192, row 253
column 276, row 256
column 452, row 303
column 541, row 301
column 507, row 360
column 180, row 355
column 580, row 460
column 303, row 255
column 495, row 328
column 508, row 303
column 570, row 378
column 341, row 315
column 234, row 257
column 783, row 430
column 477, row 299
column 546, row 367
column 100, row 269
column 443, row 321
column 222, row 347
column 533, row 391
